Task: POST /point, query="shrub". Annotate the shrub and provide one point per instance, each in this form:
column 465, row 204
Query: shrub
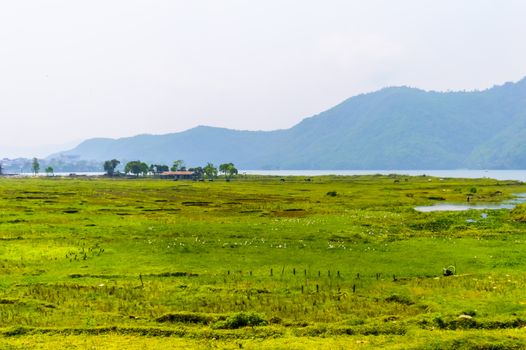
column 240, row 320
column 185, row 317
column 16, row 331
column 449, row 271
column 519, row 213
column 275, row 320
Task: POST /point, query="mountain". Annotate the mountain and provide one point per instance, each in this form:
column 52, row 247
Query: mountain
column 393, row 128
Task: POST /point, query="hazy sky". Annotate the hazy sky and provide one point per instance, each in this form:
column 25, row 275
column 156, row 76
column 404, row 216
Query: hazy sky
column 71, row 70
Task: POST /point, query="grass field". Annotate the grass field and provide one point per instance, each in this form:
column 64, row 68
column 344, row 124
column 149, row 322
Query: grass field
column 260, row 263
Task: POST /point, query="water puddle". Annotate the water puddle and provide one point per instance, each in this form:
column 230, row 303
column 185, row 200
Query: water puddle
column 519, row 198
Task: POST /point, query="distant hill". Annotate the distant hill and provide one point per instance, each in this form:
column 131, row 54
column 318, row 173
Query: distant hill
column 394, row 128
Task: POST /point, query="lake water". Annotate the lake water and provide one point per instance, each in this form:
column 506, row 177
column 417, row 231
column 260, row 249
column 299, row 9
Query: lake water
column 79, row 173
column 519, row 175
column 462, row 207
column 510, row 204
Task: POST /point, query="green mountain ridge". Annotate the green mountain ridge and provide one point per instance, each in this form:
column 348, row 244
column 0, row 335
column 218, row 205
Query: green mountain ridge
column 393, row 128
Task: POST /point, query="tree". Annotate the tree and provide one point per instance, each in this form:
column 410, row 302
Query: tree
column 136, row 167
column 178, row 165
column 223, row 168
column 228, row 169
column 158, row 168
column 110, row 165
column 0, row 168
column 210, row 171
column 198, row 172
column 49, row 171
column 35, row 166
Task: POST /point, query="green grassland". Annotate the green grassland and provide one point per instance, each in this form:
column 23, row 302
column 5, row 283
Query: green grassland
column 260, row 262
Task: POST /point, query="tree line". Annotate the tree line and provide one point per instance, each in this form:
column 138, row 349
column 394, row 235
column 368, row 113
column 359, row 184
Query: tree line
column 47, row 166
column 139, row 168
column 35, row 167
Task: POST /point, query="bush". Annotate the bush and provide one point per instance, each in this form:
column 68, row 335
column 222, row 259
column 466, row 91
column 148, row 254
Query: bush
column 275, row 320
column 185, row 317
column 519, row 213
column 449, row 271
column 16, row 331
column 240, row 320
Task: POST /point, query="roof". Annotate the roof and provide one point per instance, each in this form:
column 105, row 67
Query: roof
column 172, row 173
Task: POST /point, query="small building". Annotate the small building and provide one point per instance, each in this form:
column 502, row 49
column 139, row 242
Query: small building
column 177, row 175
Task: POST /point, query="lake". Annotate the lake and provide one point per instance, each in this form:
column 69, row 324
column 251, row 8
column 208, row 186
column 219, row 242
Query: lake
column 463, row 207
column 510, row 204
column 519, row 175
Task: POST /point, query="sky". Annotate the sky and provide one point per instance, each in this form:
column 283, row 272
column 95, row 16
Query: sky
column 72, row 70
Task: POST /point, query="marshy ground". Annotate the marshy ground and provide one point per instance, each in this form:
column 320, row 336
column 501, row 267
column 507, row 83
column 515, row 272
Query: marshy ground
column 260, row 262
